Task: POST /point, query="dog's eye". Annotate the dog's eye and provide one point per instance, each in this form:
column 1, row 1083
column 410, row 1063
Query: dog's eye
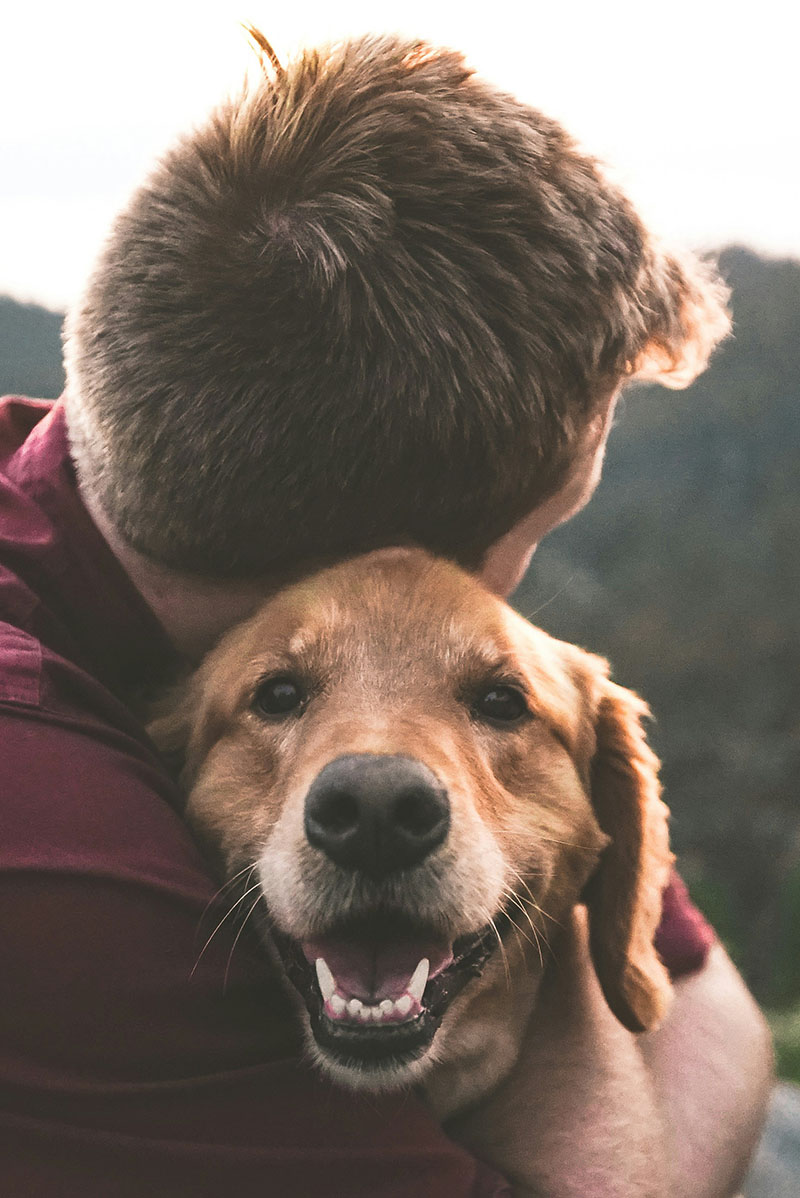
column 501, row 705
column 278, row 696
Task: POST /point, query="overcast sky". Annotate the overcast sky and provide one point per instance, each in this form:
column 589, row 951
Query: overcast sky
column 693, row 104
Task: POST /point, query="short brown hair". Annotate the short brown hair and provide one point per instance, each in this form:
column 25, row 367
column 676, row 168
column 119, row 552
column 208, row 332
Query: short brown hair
column 373, row 300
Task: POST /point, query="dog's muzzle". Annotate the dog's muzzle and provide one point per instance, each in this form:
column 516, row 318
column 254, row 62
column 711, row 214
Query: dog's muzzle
column 372, row 1010
column 376, row 985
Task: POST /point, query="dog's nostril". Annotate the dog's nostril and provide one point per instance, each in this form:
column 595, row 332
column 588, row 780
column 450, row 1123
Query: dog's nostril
column 416, row 813
column 338, row 812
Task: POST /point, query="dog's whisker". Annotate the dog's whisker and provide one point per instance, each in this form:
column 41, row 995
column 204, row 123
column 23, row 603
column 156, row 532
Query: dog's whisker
column 539, row 936
column 501, row 946
column 569, row 844
column 520, row 936
column 542, row 838
column 544, row 914
column 532, row 615
column 231, row 910
column 523, row 936
column 515, row 899
column 540, row 933
column 258, row 899
column 225, row 886
column 523, row 882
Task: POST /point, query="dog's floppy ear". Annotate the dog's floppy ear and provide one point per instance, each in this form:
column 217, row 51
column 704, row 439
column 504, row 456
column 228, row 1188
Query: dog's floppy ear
column 624, row 894
column 172, row 724
column 601, row 725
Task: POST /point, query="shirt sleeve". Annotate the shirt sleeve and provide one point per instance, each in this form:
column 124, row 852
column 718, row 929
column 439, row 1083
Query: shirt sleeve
column 135, row 1057
column 684, row 937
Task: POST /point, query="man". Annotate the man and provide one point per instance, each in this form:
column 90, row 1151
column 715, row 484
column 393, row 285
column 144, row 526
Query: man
column 373, row 301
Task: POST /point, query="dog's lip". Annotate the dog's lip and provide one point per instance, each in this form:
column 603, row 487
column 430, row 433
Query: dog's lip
column 394, row 1041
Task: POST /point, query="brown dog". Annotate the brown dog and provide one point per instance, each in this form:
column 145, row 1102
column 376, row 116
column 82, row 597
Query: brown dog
column 424, row 786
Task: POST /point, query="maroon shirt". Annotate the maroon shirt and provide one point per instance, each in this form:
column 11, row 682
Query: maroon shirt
column 127, row 1067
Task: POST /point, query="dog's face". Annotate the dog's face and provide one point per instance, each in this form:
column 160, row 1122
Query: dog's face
column 415, row 777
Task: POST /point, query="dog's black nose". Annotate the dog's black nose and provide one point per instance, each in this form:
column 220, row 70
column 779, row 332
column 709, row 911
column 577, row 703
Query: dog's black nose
column 376, row 814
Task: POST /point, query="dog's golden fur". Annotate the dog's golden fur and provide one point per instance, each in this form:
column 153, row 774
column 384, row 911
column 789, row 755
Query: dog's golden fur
column 545, row 813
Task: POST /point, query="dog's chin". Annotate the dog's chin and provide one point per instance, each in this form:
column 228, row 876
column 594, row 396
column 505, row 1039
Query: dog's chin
column 352, row 1072
column 377, row 1000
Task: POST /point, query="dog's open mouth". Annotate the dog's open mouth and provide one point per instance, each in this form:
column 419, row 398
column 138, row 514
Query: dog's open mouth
column 377, row 988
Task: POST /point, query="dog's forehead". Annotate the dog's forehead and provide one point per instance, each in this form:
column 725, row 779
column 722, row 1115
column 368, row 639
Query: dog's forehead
column 404, row 600
column 400, row 607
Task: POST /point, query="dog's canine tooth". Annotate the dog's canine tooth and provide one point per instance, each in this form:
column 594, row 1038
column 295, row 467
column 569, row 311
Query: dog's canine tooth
column 327, row 982
column 404, row 1004
column 419, row 979
column 338, row 1004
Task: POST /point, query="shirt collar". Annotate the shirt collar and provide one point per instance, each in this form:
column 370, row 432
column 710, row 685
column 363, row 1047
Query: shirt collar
column 78, row 577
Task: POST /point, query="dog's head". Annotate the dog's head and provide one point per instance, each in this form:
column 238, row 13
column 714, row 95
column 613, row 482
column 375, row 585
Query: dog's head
column 416, row 777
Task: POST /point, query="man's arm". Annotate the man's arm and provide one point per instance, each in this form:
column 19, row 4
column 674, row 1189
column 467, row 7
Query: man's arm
column 711, row 1064
column 590, row 1108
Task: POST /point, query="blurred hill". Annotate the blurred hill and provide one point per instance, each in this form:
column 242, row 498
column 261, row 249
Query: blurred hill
column 30, row 350
column 685, row 572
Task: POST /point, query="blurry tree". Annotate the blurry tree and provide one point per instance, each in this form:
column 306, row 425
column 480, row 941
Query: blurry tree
column 30, row 350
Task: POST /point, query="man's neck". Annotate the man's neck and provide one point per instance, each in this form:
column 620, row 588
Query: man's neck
column 193, row 611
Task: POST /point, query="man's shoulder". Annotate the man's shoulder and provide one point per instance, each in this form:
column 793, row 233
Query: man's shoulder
column 19, row 415
column 49, row 684
column 20, row 666
column 84, row 790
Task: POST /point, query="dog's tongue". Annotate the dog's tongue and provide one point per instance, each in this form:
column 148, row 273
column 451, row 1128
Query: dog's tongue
column 370, row 968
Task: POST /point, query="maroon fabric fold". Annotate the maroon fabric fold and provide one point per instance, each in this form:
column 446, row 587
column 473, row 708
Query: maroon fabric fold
column 684, row 938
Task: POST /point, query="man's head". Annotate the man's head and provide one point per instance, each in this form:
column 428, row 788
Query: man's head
column 374, row 300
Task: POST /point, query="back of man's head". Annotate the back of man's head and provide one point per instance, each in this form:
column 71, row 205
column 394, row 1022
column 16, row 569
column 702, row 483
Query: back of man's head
column 374, row 300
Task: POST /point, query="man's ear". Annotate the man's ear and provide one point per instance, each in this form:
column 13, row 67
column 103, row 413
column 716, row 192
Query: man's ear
column 686, row 317
column 624, row 894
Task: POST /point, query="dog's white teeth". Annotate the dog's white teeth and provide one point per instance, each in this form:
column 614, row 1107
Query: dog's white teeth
column 386, row 1011
column 327, row 982
column 419, row 979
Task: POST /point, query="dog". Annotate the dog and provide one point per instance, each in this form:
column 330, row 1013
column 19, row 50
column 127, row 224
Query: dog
column 424, row 786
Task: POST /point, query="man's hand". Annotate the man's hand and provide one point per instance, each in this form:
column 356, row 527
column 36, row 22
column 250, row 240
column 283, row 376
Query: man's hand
column 577, row 1117
column 711, row 1064
column 592, row 1111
